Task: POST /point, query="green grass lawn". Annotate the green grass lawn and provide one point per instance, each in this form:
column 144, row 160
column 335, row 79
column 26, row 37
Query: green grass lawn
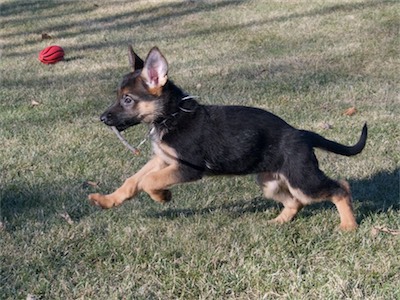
column 307, row 61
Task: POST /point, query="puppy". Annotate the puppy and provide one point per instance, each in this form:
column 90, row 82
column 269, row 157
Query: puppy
column 190, row 140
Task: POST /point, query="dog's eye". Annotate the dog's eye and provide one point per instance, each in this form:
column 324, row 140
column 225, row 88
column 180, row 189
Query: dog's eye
column 127, row 100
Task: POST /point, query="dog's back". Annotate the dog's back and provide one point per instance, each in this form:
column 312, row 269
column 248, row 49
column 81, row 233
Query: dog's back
column 229, row 139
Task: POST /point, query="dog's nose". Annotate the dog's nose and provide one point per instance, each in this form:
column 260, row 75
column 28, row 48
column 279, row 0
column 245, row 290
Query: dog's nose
column 105, row 117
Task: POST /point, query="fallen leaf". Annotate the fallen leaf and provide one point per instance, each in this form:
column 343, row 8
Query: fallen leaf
column 325, row 125
column 88, row 183
column 46, row 36
column 350, row 111
column 2, row 226
column 66, row 217
column 261, row 72
column 34, row 103
column 31, row 297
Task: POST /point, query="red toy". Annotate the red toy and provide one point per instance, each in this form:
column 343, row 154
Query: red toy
column 51, row 55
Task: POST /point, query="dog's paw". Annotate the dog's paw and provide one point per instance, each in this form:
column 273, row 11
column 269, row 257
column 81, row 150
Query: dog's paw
column 161, row 196
column 167, row 196
column 100, row 200
column 348, row 227
column 276, row 221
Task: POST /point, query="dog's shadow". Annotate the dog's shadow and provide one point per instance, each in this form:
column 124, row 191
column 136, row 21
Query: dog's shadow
column 376, row 194
column 235, row 209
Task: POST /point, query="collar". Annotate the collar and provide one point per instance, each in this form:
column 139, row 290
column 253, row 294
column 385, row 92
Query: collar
column 186, row 105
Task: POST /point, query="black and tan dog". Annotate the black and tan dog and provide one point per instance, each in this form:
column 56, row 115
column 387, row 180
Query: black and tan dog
column 190, row 141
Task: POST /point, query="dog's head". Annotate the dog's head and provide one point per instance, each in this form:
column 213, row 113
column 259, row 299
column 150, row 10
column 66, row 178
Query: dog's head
column 140, row 96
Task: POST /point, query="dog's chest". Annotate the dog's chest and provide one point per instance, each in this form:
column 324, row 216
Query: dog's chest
column 161, row 149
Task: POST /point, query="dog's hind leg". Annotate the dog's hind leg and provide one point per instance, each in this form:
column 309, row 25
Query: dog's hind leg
column 130, row 187
column 274, row 188
column 343, row 202
column 291, row 206
column 338, row 193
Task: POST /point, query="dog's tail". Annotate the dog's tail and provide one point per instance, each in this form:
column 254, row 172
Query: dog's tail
column 318, row 141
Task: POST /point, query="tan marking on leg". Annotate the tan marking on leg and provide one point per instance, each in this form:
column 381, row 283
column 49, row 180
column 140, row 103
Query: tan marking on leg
column 130, row 187
column 345, row 208
column 275, row 188
column 342, row 202
column 156, row 183
column 291, row 207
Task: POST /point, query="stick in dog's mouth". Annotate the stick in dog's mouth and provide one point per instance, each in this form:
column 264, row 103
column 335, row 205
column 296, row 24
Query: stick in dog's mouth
column 134, row 150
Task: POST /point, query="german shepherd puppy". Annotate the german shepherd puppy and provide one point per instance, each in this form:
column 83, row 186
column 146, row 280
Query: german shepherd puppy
column 191, row 140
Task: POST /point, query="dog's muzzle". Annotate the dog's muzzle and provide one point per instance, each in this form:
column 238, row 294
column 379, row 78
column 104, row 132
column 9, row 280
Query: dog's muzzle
column 106, row 118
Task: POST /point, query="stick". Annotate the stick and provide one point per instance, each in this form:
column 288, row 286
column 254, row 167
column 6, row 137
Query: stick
column 125, row 142
column 384, row 229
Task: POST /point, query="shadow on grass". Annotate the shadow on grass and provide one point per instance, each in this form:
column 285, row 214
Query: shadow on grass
column 373, row 195
column 377, row 194
column 155, row 16
column 22, row 202
column 235, row 209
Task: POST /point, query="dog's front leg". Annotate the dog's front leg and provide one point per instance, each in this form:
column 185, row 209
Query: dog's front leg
column 130, row 187
column 156, row 184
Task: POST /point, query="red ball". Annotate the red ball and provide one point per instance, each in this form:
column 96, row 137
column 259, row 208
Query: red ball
column 51, row 55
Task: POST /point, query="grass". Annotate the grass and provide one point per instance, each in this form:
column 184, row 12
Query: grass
column 307, row 61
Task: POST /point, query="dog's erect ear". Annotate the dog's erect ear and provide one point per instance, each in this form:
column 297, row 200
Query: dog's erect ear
column 155, row 70
column 135, row 61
